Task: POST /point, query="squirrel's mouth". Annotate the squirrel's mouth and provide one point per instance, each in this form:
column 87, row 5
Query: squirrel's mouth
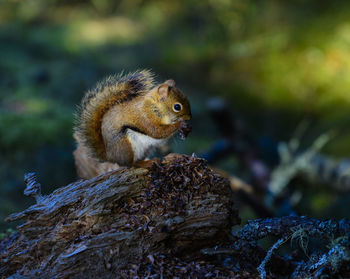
column 182, row 118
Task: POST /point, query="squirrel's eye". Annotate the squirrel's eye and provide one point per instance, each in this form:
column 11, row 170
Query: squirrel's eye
column 177, row 107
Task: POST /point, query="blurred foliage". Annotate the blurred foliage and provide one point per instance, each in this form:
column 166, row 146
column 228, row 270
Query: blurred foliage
column 276, row 62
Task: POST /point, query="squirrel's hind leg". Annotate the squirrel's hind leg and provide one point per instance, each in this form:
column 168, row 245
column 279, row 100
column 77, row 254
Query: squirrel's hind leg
column 120, row 151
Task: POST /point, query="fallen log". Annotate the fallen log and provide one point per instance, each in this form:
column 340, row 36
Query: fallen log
column 96, row 228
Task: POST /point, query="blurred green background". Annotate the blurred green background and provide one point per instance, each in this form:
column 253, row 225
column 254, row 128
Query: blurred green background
column 275, row 62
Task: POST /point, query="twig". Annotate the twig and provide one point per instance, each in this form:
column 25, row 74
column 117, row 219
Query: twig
column 33, row 188
column 332, row 260
column 285, row 226
column 269, row 253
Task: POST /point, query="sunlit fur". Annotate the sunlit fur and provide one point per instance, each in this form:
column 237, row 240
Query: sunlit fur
column 96, row 102
column 124, row 117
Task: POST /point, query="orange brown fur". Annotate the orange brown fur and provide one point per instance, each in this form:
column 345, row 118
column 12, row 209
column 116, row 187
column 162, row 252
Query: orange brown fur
column 96, row 102
column 124, row 117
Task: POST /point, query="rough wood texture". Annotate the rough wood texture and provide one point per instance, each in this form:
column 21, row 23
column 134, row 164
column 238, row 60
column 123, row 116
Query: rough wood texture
column 95, row 228
column 328, row 257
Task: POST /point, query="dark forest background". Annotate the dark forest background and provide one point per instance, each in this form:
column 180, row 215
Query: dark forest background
column 276, row 63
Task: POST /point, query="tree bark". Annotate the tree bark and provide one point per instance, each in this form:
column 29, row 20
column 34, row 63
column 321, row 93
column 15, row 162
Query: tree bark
column 95, row 228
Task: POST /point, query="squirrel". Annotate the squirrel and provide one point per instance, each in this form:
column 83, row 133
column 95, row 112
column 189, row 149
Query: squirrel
column 125, row 117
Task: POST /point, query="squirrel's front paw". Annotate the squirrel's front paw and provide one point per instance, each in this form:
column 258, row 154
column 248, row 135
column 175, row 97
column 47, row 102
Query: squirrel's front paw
column 184, row 129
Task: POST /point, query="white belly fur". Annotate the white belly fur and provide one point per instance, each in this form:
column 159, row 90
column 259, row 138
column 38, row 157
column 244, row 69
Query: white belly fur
column 142, row 145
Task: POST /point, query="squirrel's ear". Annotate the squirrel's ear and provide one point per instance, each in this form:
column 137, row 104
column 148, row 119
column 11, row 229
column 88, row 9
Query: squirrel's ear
column 170, row 82
column 163, row 91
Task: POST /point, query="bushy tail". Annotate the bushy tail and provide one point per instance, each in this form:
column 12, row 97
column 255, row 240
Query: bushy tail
column 96, row 102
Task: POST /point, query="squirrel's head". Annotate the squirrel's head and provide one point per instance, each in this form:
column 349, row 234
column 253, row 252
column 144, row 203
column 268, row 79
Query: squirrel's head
column 173, row 105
